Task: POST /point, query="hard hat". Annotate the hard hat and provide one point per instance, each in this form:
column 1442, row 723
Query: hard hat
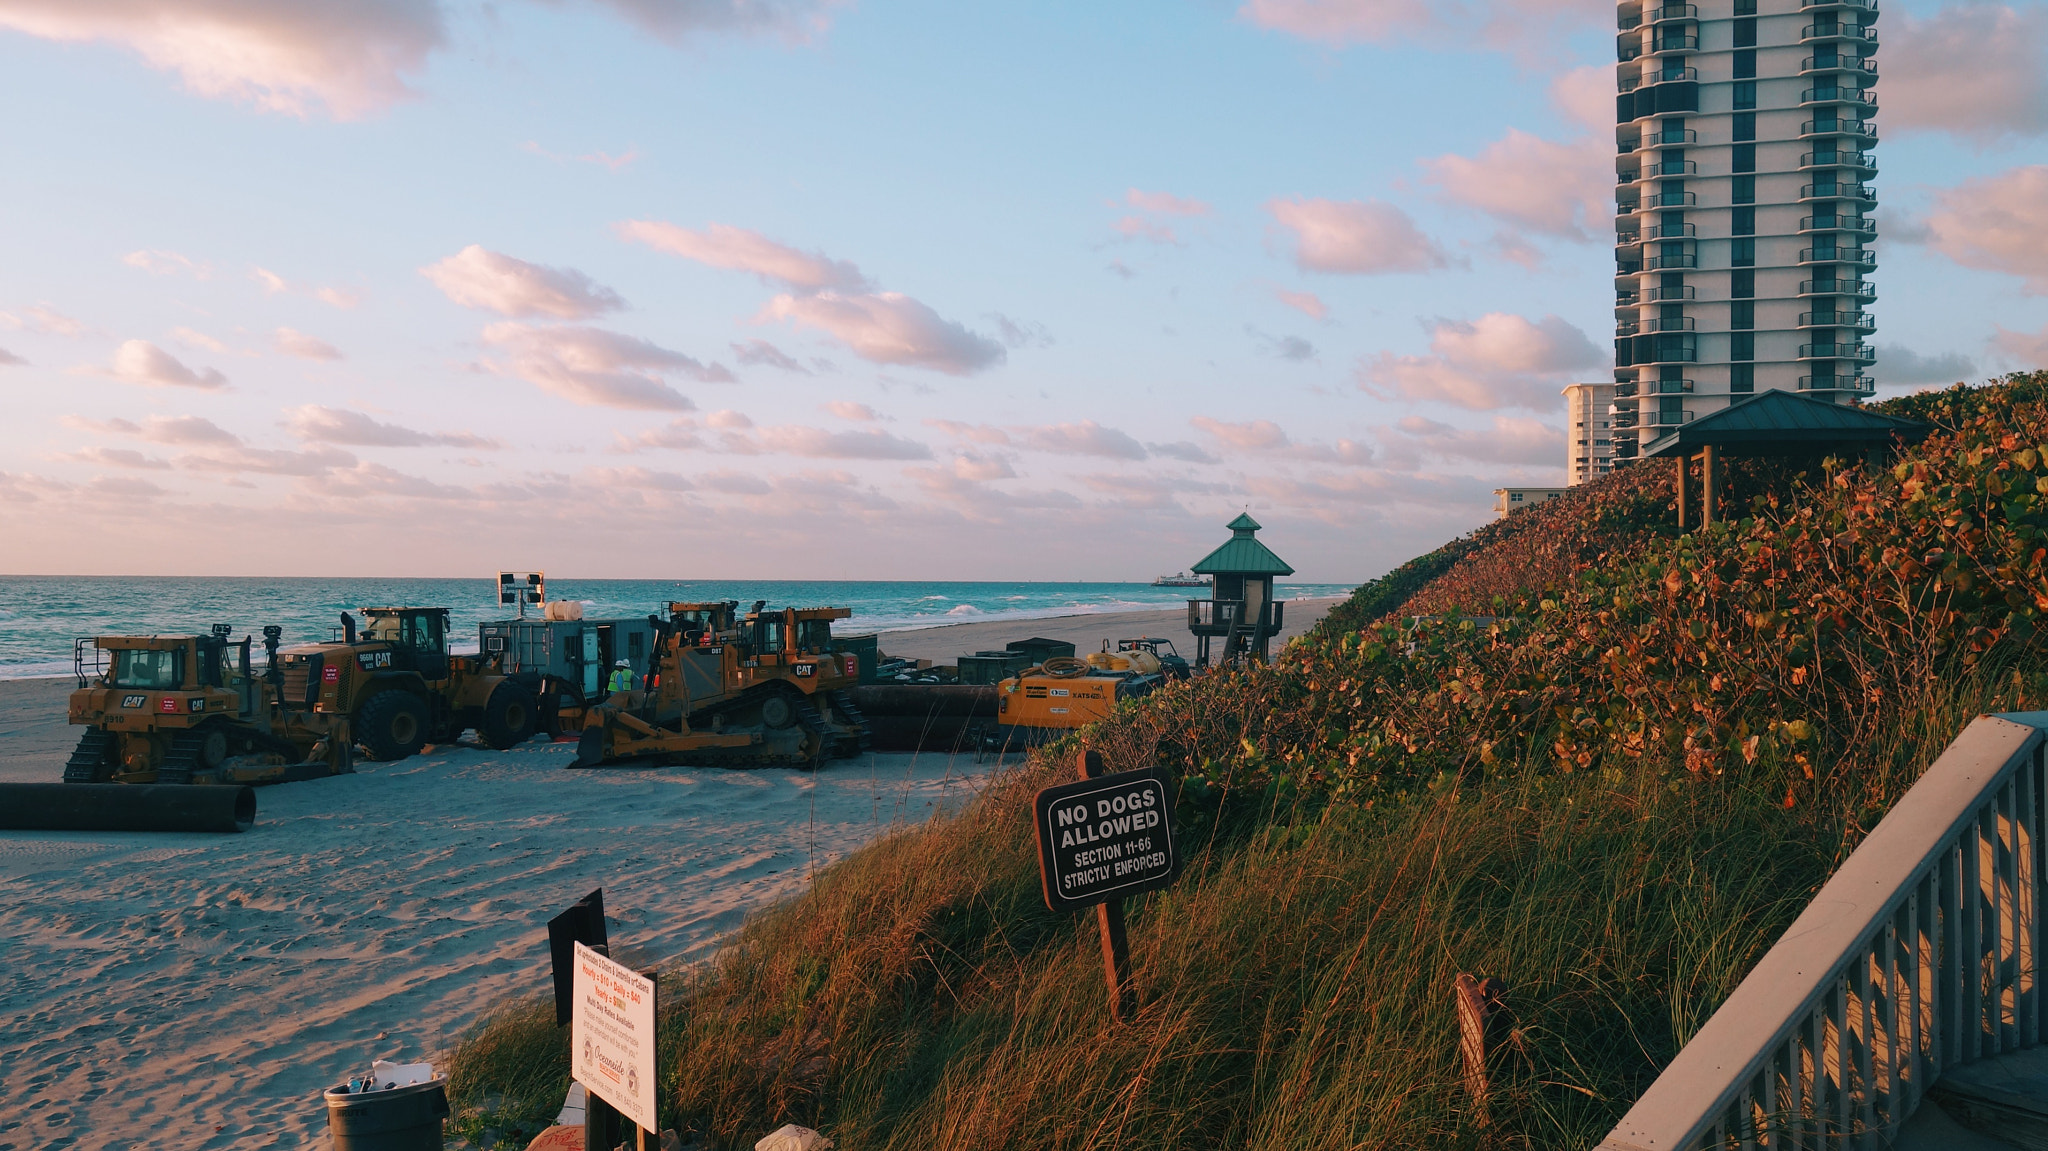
column 621, row 663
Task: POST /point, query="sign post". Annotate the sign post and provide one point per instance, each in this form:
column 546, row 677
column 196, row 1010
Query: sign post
column 611, row 1038
column 1101, row 840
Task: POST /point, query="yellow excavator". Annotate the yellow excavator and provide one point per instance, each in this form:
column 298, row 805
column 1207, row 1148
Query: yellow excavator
column 724, row 690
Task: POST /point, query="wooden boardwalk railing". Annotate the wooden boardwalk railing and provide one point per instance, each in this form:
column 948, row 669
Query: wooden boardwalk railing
column 1922, row 953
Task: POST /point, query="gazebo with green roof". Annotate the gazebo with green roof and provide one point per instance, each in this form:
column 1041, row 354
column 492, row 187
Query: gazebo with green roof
column 1240, row 610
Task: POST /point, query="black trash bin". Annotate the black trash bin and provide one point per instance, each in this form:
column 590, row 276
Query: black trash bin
column 399, row 1119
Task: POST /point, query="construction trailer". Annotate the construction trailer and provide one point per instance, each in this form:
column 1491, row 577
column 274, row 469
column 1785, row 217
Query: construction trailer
column 567, row 663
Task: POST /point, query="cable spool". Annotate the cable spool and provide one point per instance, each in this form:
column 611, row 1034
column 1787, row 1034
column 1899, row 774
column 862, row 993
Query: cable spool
column 1066, row 667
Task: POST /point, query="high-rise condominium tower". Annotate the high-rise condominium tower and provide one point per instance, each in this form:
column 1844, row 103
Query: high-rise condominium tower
column 1743, row 206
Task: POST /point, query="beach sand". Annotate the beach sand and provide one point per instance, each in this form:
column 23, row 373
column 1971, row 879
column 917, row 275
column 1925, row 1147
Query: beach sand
column 1086, row 632
column 199, row 991
column 185, row 990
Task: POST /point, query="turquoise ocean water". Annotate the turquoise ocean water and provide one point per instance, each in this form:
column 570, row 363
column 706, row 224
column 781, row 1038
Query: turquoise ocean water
column 41, row 615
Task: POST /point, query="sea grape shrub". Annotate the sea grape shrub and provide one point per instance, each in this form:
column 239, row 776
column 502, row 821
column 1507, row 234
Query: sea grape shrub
column 1774, row 646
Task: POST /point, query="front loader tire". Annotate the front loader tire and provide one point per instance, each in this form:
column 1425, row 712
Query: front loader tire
column 392, row 725
column 509, row 716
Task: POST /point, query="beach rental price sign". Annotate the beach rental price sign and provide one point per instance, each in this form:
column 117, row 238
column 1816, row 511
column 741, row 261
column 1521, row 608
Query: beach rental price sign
column 1106, row 838
column 611, row 1036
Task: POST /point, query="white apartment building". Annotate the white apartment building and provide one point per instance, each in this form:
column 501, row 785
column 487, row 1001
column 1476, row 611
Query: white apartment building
column 1743, row 225
column 1589, row 419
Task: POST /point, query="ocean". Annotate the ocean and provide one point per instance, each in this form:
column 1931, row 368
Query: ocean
column 40, row 616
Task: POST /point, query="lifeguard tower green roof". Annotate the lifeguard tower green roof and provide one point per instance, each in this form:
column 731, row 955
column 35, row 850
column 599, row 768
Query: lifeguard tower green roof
column 1242, row 555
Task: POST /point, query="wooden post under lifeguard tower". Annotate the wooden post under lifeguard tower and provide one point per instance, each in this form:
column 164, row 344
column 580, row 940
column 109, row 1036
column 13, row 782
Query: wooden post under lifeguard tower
column 1240, row 610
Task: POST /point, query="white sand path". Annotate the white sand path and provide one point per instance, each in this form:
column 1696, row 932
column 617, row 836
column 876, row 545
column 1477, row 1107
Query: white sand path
column 198, row 991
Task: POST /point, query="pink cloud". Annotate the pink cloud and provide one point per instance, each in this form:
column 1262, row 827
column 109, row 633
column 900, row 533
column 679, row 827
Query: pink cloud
column 743, row 250
column 1499, row 360
column 1559, row 189
column 817, row 443
column 141, row 362
column 1082, row 438
column 1510, row 440
column 1266, row 437
column 1307, row 303
column 848, row 410
column 1498, row 23
column 890, row 328
column 476, row 277
column 1165, row 203
column 158, row 262
column 296, row 343
column 325, row 425
column 2027, row 349
column 286, row 56
column 1971, row 69
column 1366, row 237
column 1998, row 223
column 676, row 21
column 594, row 367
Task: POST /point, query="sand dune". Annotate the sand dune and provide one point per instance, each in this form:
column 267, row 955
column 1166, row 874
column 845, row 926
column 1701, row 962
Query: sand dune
column 199, row 991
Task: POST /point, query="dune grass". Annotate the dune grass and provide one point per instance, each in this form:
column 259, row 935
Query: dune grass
column 1613, row 794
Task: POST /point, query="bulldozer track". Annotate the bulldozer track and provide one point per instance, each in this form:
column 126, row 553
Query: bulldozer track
column 864, row 731
column 90, row 756
column 182, row 758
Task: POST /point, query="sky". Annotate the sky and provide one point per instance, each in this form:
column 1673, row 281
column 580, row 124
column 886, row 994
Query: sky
column 868, row 290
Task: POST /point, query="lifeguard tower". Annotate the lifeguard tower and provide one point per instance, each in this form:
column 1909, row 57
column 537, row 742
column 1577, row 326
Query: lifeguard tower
column 1241, row 610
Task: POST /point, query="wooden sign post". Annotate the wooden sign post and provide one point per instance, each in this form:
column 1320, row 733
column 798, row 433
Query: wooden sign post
column 1101, row 840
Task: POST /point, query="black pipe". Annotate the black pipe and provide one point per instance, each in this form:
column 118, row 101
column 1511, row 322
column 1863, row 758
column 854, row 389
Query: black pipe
column 125, row 807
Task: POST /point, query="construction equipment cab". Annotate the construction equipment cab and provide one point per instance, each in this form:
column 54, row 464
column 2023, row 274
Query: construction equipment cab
column 761, row 690
column 396, row 681
column 190, row 709
column 1063, row 694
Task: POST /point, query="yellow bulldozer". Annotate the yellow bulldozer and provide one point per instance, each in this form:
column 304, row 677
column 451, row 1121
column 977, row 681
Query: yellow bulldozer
column 191, row 709
column 1063, row 694
column 395, row 680
column 725, row 690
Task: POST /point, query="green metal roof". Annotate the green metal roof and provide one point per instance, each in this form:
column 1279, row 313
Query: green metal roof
column 1773, row 422
column 1242, row 555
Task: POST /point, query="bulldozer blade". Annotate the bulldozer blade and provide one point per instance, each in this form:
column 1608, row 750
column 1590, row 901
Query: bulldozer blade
column 590, row 747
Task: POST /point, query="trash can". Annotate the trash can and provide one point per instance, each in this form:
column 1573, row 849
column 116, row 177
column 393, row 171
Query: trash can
column 398, row 1119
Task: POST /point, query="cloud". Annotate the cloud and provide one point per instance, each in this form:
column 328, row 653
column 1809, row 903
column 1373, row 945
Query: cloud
column 1165, row 203
column 194, row 338
column 154, row 261
column 1499, row 360
column 817, row 443
column 679, row 20
column 1183, row 450
column 1307, row 303
column 338, row 298
column 679, row 434
column 294, row 343
column 1519, row 25
column 476, row 277
column 286, row 56
column 1560, row 189
column 890, row 328
column 1364, row 237
column 742, row 250
column 1585, row 95
column 141, row 362
column 594, row 367
column 177, row 430
column 1085, row 438
column 1021, row 333
column 43, row 320
column 848, row 410
column 2028, row 349
column 1974, row 70
column 978, row 467
column 1292, row 348
column 765, row 354
column 1266, row 437
column 10, row 360
column 120, row 458
column 727, row 418
column 273, row 284
column 340, row 426
column 973, row 433
column 1898, row 364
column 1999, row 223
column 1509, row 441
column 266, row 461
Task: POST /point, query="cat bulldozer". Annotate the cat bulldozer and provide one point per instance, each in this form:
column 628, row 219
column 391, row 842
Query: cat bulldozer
column 395, row 680
column 724, row 690
column 190, row 709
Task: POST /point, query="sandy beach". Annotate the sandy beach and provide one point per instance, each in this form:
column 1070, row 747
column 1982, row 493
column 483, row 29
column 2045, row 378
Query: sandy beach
column 199, row 991
column 1086, row 632
column 184, row 990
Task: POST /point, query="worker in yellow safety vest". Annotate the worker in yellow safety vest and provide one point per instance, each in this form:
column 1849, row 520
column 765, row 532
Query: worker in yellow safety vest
column 622, row 678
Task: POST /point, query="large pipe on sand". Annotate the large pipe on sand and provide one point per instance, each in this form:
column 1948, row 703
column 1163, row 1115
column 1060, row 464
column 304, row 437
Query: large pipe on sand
column 125, row 807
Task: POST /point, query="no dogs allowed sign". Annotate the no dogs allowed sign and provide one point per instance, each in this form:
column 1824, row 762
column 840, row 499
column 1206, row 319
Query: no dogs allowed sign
column 1106, row 838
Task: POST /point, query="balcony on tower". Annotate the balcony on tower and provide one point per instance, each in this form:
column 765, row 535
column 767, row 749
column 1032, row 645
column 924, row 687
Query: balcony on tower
column 1241, row 610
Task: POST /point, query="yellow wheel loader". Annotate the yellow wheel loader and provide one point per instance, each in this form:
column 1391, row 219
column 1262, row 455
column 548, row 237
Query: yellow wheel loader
column 722, row 690
column 189, row 709
column 401, row 689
